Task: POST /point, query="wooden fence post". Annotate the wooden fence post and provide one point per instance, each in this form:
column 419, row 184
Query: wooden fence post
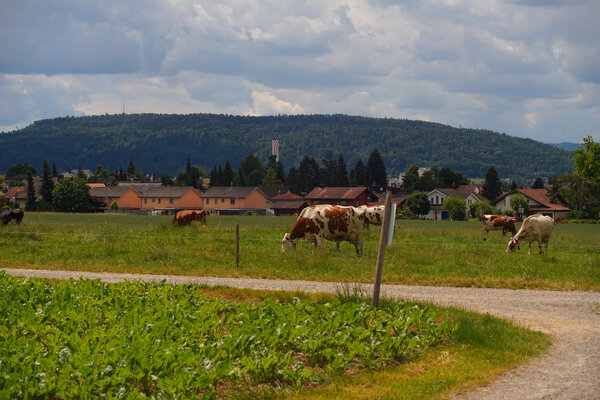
column 383, row 239
column 237, row 245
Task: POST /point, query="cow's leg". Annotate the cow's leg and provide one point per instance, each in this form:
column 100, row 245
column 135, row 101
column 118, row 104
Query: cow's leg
column 337, row 246
column 529, row 247
column 481, row 234
column 318, row 241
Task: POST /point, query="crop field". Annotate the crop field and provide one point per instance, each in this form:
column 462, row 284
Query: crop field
column 89, row 339
column 438, row 253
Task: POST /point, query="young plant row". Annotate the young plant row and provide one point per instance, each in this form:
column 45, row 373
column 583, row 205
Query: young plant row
column 88, row 339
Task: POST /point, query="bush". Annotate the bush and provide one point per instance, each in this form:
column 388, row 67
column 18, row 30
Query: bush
column 456, row 208
column 406, row 213
column 114, row 206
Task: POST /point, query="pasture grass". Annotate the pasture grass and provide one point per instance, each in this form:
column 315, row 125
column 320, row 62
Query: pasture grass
column 440, row 253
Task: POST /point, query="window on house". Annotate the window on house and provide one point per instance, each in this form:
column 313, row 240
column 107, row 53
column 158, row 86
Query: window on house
column 158, row 201
column 171, row 201
column 437, row 199
column 145, row 201
column 431, row 200
column 442, row 202
column 232, row 201
column 222, row 201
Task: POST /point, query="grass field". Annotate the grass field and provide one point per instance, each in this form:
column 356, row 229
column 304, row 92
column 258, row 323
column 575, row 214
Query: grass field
column 423, row 252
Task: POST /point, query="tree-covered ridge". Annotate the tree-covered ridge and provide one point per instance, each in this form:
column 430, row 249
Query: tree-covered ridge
column 161, row 143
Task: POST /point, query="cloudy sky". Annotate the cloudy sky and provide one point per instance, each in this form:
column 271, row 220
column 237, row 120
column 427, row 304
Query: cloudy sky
column 528, row 68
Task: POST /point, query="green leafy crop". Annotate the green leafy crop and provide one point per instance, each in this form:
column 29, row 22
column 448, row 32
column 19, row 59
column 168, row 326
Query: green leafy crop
column 89, row 339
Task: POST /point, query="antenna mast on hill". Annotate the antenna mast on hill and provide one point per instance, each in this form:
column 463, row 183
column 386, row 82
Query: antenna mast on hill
column 275, row 149
column 123, row 105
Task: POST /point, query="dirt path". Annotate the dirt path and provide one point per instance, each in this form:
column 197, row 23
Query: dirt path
column 570, row 371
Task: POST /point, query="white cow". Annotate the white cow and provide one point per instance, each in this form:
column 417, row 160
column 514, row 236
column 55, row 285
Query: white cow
column 535, row 228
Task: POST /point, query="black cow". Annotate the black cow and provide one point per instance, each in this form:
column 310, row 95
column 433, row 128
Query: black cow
column 11, row 215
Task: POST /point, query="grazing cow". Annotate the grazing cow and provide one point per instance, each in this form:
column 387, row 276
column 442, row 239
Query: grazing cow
column 495, row 223
column 186, row 217
column 373, row 214
column 11, row 215
column 331, row 222
column 535, row 228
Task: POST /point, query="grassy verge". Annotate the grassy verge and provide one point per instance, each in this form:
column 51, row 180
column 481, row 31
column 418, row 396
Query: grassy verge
column 86, row 338
column 423, row 252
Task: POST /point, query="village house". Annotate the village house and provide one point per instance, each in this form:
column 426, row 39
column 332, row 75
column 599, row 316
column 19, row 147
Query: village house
column 342, row 196
column 125, row 197
column 235, row 200
column 170, row 198
column 438, row 196
column 538, row 203
column 288, row 204
column 17, row 195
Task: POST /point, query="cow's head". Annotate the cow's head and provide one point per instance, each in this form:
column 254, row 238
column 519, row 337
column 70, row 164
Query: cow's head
column 512, row 243
column 287, row 243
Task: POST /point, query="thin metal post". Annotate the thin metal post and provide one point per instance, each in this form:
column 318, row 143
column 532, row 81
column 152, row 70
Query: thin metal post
column 237, row 245
column 382, row 243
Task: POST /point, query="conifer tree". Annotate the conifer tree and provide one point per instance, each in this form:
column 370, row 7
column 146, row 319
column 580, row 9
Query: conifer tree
column 47, row 184
column 492, row 187
column 376, row 174
column 30, row 203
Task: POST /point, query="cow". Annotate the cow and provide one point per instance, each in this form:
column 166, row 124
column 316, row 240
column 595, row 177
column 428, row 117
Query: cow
column 535, row 228
column 11, row 215
column 331, row 222
column 491, row 222
column 186, row 217
column 373, row 214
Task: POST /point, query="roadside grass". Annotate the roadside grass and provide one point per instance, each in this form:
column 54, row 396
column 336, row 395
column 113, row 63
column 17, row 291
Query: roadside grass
column 440, row 253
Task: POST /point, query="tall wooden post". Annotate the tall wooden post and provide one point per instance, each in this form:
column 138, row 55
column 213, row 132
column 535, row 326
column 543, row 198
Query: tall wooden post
column 237, row 245
column 382, row 243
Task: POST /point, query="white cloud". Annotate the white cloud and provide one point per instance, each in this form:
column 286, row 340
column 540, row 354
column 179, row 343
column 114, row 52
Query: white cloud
column 499, row 65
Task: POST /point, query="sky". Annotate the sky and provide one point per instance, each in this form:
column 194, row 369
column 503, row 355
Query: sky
column 527, row 68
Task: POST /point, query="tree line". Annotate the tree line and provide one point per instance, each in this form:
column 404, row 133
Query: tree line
column 159, row 143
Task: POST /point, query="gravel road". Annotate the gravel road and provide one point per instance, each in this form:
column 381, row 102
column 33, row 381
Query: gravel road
column 571, row 370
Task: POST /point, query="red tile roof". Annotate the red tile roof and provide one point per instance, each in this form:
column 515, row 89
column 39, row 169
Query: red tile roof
column 537, row 195
column 14, row 191
column 287, row 196
column 336, row 193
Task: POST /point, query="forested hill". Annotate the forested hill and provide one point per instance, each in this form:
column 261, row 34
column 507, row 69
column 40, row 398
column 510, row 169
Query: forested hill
column 161, row 143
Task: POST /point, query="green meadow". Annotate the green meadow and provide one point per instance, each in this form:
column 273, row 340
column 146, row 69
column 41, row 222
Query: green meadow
column 441, row 253
column 476, row 350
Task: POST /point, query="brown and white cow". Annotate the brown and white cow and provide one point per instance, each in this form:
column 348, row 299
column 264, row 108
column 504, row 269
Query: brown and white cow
column 535, row 228
column 373, row 214
column 494, row 222
column 331, row 222
column 186, row 217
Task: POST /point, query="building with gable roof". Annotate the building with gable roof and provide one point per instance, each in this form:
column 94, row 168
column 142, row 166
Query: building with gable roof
column 125, row 197
column 170, row 198
column 438, row 196
column 538, row 203
column 235, row 200
column 342, row 196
